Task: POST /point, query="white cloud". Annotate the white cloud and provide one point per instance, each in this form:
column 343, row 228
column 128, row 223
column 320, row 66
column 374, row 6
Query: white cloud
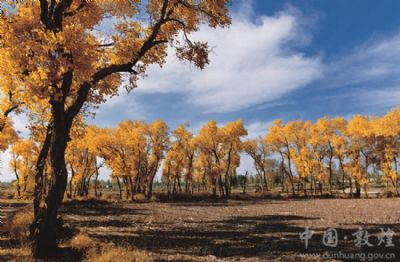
column 20, row 123
column 258, row 129
column 368, row 65
column 251, row 63
column 118, row 108
column 384, row 98
column 5, row 173
column 246, row 164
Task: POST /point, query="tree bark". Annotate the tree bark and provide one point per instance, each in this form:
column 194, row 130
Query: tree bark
column 46, row 224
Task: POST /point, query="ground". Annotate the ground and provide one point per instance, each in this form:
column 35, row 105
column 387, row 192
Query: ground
column 239, row 230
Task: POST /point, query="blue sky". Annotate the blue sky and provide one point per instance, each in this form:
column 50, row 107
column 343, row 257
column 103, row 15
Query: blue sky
column 279, row 59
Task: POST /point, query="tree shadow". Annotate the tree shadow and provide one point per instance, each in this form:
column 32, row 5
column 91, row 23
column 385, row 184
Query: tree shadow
column 265, row 237
column 101, row 208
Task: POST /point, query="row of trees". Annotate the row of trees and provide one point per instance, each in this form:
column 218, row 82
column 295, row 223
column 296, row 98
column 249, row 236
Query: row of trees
column 327, row 155
column 134, row 151
column 310, row 153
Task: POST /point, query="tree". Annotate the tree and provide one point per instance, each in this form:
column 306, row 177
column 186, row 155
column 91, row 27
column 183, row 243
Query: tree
column 22, row 164
column 242, row 180
column 232, row 146
column 361, row 151
column 208, row 142
column 82, row 162
column 278, row 138
column 388, row 135
column 51, row 53
column 158, row 139
column 328, row 130
column 259, row 151
column 182, row 157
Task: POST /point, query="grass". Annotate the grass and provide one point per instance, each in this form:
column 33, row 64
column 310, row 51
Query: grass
column 18, row 225
column 110, row 253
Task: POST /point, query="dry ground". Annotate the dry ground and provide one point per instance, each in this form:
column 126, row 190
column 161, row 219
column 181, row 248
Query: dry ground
column 250, row 230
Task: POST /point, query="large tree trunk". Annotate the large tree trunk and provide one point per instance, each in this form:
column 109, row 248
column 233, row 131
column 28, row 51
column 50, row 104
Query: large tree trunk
column 45, row 226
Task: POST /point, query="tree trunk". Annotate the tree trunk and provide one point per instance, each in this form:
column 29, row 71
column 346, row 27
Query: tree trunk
column 131, row 186
column 17, row 178
column 265, row 179
column 46, row 224
column 214, row 187
column 96, row 177
column 70, row 181
column 95, row 183
column 397, row 179
column 127, row 190
column 186, row 185
column 174, row 187
column 119, row 187
column 292, row 184
column 168, row 185
column 150, row 183
column 343, row 175
column 351, row 186
column 365, row 190
column 358, row 190
column 330, row 174
column 227, row 185
column 220, row 186
column 394, row 186
column 179, row 184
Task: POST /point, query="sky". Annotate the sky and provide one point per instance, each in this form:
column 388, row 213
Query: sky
column 284, row 60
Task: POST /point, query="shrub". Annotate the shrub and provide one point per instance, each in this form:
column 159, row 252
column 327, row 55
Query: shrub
column 141, row 198
column 18, row 224
column 110, row 253
column 82, row 242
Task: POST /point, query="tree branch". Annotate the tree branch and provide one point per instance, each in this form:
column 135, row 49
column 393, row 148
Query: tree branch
column 84, row 89
column 44, row 12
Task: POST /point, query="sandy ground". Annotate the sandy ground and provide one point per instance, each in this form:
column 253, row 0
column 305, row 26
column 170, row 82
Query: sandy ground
column 253, row 230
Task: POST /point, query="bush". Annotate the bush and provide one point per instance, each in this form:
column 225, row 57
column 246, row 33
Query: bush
column 141, row 198
column 82, row 242
column 18, row 224
column 110, row 253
